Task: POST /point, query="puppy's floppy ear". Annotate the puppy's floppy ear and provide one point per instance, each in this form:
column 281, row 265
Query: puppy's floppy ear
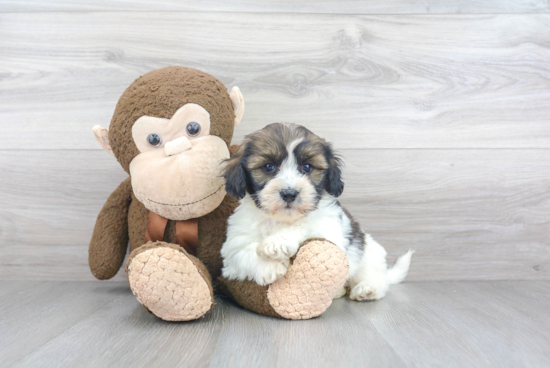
column 235, row 177
column 333, row 175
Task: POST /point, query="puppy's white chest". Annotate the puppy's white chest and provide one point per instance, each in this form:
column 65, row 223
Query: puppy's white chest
column 270, row 227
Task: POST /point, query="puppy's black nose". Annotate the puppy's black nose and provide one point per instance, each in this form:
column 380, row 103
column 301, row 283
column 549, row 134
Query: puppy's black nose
column 289, row 195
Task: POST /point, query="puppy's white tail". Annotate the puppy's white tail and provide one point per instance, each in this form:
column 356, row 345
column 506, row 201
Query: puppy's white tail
column 398, row 272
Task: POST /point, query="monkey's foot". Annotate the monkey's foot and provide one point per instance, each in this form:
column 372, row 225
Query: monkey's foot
column 316, row 275
column 170, row 283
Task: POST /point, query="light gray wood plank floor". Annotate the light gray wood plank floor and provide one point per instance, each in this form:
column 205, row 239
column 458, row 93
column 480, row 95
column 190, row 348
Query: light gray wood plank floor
column 451, row 324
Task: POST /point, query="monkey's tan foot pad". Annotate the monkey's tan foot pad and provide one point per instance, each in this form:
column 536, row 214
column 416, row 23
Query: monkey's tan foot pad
column 170, row 283
column 320, row 269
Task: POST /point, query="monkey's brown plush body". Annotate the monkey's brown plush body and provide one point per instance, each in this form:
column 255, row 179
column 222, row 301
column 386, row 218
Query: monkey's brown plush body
column 170, row 131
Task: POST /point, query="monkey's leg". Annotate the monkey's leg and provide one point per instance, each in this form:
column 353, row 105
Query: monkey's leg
column 170, row 283
column 317, row 273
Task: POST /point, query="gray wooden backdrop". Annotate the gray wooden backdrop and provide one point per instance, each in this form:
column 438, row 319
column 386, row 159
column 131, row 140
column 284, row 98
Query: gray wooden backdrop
column 441, row 110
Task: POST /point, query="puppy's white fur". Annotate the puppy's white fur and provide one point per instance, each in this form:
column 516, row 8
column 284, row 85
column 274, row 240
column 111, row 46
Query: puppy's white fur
column 258, row 248
column 264, row 234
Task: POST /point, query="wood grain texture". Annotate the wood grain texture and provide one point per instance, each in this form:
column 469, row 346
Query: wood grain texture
column 49, row 208
column 319, row 342
column 32, row 316
column 15, row 286
column 308, row 6
column 451, row 324
column 443, row 122
column 141, row 339
column 416, row 81
column 469, row 214
column 465, row 324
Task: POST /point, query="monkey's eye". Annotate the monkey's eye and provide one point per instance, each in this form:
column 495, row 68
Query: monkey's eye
column 307, row 168
column 193, row 128
column 154, row 140
column 269, row 167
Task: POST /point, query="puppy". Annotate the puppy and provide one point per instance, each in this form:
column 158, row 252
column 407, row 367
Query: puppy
column 287, row 180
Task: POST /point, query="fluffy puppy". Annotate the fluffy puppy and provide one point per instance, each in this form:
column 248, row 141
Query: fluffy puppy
column 288, row 179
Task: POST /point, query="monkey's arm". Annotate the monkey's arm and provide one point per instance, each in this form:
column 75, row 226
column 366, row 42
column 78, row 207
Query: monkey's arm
column 233, row 148
column 110, row 238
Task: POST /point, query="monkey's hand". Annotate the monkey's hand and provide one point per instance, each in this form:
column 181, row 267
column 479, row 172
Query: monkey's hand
column 110, row 237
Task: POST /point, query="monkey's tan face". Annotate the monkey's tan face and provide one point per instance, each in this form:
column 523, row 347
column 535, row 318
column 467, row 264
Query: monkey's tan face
column 177, row 174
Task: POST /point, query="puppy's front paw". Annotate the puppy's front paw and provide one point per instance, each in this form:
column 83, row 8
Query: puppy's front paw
column 271, row 249
column 366, row 291
column 268, row 272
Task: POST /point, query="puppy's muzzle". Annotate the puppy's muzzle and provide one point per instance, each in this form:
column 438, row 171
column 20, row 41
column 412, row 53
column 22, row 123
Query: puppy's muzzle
column 289, row 195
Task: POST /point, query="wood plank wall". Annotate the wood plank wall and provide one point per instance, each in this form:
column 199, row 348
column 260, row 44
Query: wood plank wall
column 441, row 110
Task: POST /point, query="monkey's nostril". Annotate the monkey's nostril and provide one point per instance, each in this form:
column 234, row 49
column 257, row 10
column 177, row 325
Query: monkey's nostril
column 289, row 195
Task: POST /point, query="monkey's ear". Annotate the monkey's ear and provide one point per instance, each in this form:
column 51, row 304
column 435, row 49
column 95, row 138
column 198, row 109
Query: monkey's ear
column 238, row 104
column 102, row 136
column 235, row 177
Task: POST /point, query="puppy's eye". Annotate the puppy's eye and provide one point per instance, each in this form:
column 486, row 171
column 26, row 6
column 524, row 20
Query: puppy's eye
column 154, row 140
column 193, row 129
column 269, row 167
column 307, row 168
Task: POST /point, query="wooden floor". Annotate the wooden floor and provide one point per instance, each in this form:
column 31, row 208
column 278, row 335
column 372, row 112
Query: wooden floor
column 438, row 324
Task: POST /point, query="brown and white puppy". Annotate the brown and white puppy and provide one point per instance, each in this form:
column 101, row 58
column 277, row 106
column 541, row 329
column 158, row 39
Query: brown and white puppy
column 287, row 180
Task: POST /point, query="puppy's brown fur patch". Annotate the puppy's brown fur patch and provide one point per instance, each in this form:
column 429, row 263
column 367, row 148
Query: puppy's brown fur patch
column 275, row 139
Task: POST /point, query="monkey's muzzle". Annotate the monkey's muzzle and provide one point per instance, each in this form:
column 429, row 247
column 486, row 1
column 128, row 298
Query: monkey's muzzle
column 183, row 180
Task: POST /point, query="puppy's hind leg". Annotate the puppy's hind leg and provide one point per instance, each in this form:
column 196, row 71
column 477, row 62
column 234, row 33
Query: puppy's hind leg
column 343, row 291
column 373, row 279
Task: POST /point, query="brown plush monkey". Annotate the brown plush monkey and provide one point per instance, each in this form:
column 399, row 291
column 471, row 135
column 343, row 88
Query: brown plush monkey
column 170, row 131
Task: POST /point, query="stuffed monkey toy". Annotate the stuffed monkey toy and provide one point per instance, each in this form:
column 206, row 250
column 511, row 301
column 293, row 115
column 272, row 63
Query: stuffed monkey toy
column 170, row 131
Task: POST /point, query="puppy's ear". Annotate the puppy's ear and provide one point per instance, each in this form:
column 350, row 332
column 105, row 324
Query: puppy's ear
column 333, row 175
column 235, row 178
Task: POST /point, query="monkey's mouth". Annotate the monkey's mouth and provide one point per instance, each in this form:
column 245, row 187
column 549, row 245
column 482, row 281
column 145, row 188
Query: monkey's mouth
column 187, row 204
